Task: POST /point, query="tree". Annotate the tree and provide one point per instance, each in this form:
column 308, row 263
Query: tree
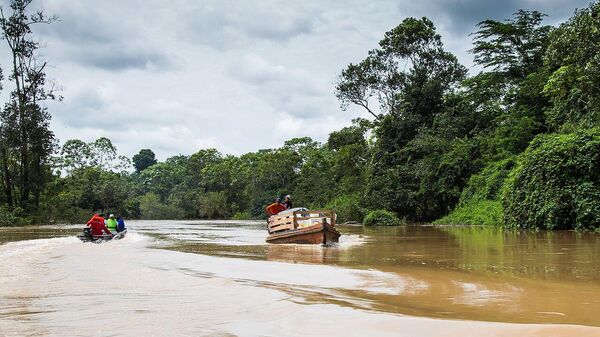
column 514, row 48
column 409, row 76
column 573, row 58
column 75, row 154
column 100, row 153
column 144, row 159
column 509, row 90
column 556, row 184
column 27, row 141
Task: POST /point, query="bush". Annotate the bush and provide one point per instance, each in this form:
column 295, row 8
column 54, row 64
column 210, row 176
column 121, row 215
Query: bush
column 480, row 201
column 487, row 184
column 347, row 208
column 481, row 212
column 246, row 215
column 556, row 184
column 381, row 217
column 214, row 205
column 7, row 218
column 152, row 209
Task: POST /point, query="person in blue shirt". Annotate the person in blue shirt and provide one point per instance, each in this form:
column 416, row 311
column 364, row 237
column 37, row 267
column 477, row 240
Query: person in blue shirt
column 120, row 224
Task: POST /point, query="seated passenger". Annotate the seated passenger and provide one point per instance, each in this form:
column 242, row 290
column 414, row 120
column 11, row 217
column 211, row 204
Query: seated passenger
column 120, row 224
column 96, row 217
column 111, row 223
column 275, row 207
column 96, row 223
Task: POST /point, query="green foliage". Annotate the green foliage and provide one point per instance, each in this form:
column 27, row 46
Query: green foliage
column 514, row 47
column 8, row 218
column 428, row 182
column 347, row 207
column 407, row 75
column 242, row 216
column 556, row 184
column 214, row 205
column 26, row 141
column 161, row 178
column 144, row 159
column 381, row 217
column 573, row 57
column 101, row 153
column 487, row 184
column 152, row 208
column 480, row 200
column 475, row 212
column 346, row 136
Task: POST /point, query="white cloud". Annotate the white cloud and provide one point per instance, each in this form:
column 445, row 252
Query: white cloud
column 236, row 75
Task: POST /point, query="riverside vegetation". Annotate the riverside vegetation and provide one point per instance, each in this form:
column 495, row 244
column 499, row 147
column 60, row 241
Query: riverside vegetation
column 516, row 145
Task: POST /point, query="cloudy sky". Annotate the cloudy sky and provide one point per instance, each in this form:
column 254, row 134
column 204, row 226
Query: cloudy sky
column 176, row 76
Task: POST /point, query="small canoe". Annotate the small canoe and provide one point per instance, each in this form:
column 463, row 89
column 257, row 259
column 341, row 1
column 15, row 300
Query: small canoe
column 303, row 226
column 322, row 233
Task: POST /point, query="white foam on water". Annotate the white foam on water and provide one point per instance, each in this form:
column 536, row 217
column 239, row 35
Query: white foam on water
column 18, row 248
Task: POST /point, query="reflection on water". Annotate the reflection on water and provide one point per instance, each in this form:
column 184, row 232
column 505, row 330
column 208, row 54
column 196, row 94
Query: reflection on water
column 560, row 255
column 450, row 272
column 464, row 272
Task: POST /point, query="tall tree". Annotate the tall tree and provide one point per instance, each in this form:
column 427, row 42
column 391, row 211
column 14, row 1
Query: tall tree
column 75, row 154
column 144, row 159
column 403, row 84
column 508, row 92
column 407, row 76
column 101, row 153
column 27, row 140
column 513, row 48
column 573, row 58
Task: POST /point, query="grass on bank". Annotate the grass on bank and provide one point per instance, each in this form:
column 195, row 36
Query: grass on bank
column 482, row 212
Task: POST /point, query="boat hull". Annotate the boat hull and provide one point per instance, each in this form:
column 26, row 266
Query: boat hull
column 316, row 234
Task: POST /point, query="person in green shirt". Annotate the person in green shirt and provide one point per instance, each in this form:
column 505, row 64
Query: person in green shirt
column 111, row 223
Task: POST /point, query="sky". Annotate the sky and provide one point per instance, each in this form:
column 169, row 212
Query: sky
column 178, row 76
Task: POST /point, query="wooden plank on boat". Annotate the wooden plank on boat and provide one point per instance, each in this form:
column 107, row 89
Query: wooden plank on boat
column 281, row 223
column 281, row 227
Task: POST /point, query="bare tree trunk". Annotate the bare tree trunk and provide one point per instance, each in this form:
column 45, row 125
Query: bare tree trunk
column 23, row 141
column 25, row 183
column 6, row 176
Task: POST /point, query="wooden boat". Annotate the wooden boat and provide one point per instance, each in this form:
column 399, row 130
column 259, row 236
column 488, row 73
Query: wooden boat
column 303, row 226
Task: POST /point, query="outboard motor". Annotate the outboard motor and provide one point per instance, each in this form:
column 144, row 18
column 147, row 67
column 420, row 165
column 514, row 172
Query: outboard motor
column 87, row 233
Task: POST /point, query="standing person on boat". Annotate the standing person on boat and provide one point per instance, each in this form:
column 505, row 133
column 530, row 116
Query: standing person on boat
column 111, row 223
column 96, row 223
column 287, row 201
column 120, row 224
column 275, row 207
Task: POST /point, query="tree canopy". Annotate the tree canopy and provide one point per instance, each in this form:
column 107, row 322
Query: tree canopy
column 514, row 145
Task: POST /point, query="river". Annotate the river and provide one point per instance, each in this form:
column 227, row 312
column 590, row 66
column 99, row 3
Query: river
column 219, row 278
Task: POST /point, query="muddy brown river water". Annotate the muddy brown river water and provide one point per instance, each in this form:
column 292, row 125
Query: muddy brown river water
column 219, row 278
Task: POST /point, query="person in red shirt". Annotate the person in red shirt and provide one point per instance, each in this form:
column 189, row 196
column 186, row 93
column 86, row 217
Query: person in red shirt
column 275, row 207
column 96, row 223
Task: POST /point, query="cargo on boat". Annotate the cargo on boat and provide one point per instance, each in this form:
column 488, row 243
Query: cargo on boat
column 304, row 226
